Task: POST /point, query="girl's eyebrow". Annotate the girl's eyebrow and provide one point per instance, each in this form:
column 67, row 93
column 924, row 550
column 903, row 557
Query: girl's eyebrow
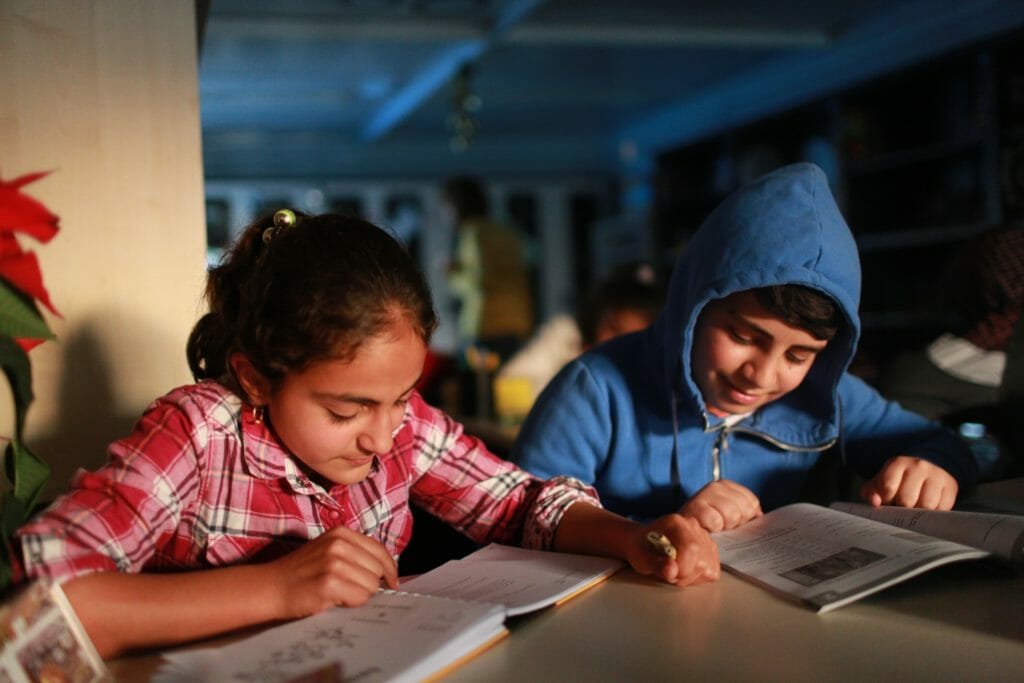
column 355, row 398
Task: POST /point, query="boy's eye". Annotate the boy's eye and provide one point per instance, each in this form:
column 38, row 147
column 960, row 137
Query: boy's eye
column 740, row 337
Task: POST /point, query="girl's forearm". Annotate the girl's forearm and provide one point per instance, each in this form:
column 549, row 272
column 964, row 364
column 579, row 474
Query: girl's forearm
column 591, row 530
column 122, row 612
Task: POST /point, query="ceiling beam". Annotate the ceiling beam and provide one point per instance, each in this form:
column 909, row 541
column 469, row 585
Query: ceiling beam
column 527, row 33
column 440, row 71
column 663, row 35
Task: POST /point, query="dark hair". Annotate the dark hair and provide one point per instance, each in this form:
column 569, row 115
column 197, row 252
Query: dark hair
column 802, row 307
column 633, row 286
column 467, row 197
column 985, row 276
column 316, row 290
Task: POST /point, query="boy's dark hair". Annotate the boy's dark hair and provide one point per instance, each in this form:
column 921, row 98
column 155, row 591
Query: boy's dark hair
column 802, row 307
column 631, row 287
column 315, row 291
column 467, row 196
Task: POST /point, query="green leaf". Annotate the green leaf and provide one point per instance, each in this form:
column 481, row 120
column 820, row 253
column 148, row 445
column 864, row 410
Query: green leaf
column 18, row 369
column 18, row 316
column 14, row 515
column 29, row 474
column 5, row 566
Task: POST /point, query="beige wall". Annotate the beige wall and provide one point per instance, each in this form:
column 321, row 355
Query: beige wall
column 104, row 93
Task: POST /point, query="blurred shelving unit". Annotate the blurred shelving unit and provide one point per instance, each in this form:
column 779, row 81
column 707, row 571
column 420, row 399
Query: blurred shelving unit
column 921, row 161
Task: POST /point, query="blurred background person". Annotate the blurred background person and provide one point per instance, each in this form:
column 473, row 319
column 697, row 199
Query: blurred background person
column 629, row 299
column 488, row 274
column 963, row 377
column 984, row 288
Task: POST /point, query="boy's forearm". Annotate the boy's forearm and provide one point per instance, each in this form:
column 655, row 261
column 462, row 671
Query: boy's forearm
column 123, row 612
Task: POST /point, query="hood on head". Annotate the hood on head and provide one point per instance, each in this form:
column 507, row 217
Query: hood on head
column 783, row 228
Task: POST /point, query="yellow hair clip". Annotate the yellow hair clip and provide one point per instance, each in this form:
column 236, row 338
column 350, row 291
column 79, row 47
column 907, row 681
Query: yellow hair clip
column 285, row 218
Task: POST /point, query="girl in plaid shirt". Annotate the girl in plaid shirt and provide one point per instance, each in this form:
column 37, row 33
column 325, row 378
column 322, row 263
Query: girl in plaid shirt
column 279, row 484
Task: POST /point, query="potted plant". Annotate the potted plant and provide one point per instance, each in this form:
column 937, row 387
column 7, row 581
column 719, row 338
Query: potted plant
column 22, row 327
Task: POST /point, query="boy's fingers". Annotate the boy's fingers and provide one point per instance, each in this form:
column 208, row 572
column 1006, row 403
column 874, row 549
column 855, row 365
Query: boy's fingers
column 930, row 496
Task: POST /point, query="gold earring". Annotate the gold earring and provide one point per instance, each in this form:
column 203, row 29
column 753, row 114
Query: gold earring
column 257, row 414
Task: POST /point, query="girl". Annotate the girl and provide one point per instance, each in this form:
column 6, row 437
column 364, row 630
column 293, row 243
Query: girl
column 286, row 471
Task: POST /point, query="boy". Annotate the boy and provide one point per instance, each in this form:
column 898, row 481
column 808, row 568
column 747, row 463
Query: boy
column 723, row 407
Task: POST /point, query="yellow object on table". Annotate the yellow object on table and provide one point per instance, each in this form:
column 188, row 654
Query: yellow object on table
column 513, row 397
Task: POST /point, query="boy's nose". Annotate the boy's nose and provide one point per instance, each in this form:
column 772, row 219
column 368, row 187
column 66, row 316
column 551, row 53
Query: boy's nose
column 756, row 371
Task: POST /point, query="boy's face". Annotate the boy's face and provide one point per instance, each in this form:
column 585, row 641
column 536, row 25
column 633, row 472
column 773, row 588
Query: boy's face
column 745, row 357
column 336, row 415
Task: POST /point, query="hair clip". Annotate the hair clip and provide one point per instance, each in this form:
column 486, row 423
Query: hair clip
column 285, row 218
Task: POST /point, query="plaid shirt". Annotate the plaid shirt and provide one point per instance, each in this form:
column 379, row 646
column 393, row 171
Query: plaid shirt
column 199, row 484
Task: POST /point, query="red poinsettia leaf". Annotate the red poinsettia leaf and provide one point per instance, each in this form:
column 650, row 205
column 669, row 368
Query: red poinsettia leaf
column 28, row 344
column 23, row 180
column 21, row 213
column 22, row 271
column 9, row 245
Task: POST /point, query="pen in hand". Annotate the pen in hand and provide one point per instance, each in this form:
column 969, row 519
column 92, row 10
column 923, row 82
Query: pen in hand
column 660, row 543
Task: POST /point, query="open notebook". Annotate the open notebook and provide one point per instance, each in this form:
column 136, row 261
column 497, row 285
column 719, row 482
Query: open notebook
column 438, row 620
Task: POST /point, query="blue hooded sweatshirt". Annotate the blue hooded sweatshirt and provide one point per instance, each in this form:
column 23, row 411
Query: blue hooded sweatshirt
column 628, row 418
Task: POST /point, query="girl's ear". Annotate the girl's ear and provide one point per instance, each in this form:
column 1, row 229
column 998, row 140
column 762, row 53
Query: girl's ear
column 254, row 384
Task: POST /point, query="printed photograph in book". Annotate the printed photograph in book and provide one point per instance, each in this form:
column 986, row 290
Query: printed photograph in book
column 825, row 558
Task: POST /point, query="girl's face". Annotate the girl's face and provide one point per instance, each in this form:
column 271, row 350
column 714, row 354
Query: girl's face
column 745, row 357
column 335, row 416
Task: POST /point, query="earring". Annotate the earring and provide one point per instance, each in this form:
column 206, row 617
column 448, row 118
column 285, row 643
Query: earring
column 257, row 414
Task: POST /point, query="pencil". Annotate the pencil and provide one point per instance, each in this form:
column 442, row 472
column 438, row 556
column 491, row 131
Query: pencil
column 660, row 543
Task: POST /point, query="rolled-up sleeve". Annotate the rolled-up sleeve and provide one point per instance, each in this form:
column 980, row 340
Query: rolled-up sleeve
column 485, row 497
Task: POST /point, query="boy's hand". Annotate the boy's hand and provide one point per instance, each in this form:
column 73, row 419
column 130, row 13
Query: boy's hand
column 722, row 505
column 696, row 559
column 341, row 567
column 911, row 482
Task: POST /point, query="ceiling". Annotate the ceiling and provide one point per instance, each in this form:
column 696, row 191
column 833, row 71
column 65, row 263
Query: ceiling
column 371, row 88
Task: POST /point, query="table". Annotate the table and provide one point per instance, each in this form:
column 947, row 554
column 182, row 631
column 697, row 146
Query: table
column 959, row 622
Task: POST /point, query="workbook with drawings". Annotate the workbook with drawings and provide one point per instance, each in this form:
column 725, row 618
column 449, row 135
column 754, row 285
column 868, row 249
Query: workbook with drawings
column 825, row 558
column 435, row 622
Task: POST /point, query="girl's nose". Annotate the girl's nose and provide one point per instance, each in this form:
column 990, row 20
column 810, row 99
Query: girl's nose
column 378, row 437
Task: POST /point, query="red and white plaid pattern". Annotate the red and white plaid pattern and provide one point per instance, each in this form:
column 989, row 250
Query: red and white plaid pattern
column 199, row 484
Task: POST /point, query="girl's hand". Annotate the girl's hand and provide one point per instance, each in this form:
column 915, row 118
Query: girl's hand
column 722, row 505
column 911, row 482
column 696, row 559
column 341, row 567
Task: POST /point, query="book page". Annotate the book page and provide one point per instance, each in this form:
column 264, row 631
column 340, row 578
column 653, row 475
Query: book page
column 825, row 558
column 521, row 580
column 394, row 637
column 1001, row 535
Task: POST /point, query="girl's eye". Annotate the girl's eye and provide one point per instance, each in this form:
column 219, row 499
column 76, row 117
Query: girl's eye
column 799, row 360
column 334, row 417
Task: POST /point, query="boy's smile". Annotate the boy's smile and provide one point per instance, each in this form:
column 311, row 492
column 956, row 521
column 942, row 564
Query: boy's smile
column 745, row 357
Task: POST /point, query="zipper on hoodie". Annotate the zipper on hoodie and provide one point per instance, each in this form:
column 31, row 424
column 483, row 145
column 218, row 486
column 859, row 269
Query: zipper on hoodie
column 717, row 451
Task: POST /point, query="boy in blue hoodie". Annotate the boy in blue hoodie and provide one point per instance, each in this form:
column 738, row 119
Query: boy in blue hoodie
column 724, row 405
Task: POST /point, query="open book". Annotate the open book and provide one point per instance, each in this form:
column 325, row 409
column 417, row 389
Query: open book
column 829, row 557
column 436, row 621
